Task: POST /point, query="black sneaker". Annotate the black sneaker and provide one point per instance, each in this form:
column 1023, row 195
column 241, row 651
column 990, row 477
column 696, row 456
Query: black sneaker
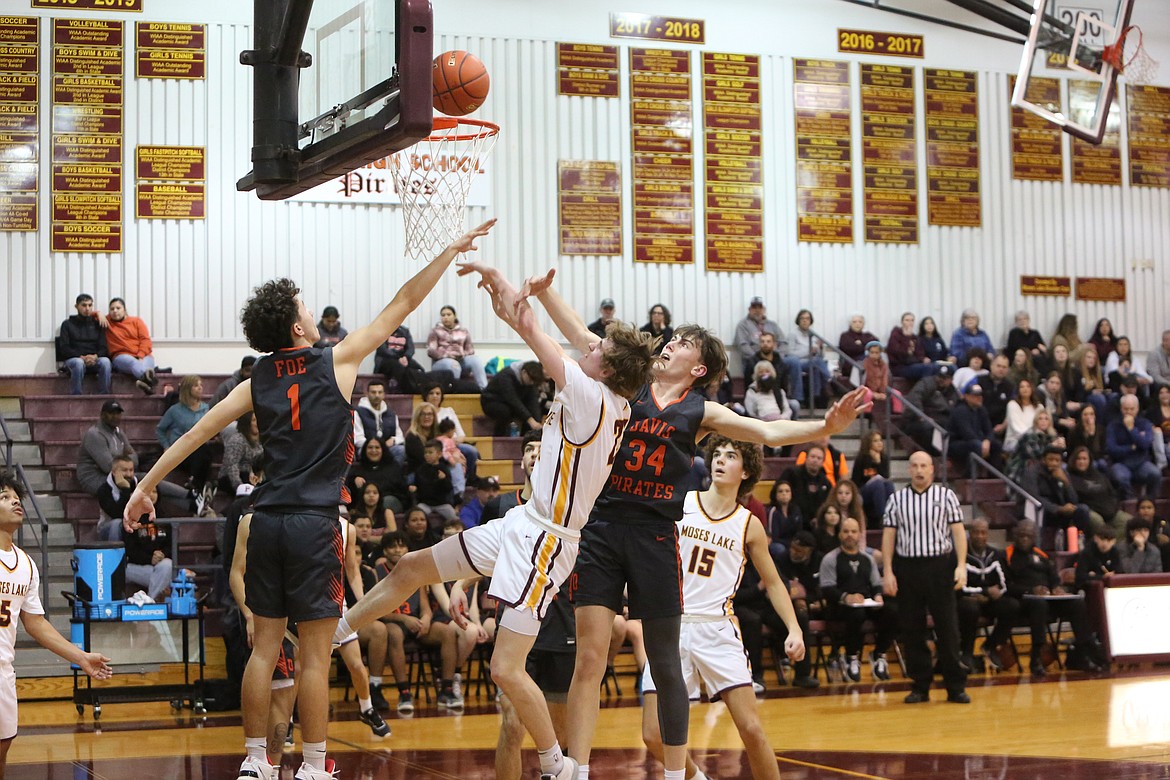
column 1037, row 668
column 376, row 697
column 806, row 682
column 916, row 697
column 958, row 697
column 372, row 719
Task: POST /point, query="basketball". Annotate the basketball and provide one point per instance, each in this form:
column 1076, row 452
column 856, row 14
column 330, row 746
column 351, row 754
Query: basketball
column 460, row 83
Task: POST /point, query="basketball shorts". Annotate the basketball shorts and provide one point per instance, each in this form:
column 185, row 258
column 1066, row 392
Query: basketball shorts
column 294, row 566
column 639, row 560
column 284, row 675
column 552, row 671
column 712, row 653
column 527, row 565
column 7, row 702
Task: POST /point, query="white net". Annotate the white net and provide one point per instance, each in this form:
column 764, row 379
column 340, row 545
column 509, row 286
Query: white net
column 433, row 178
column 1130, row 57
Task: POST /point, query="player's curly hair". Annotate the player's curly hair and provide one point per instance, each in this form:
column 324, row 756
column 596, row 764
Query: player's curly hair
column 9, row 481
column 712, row 353
column 631, row 357
column 269, row 315
column 751, row 454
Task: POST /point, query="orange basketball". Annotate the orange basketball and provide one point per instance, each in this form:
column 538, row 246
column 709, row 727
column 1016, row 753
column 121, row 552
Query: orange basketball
column 460, row 83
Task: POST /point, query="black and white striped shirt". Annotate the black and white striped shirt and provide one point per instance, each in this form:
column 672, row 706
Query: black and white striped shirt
column 923, row 520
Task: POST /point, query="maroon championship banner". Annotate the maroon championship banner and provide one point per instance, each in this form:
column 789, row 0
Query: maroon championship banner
column 87, row 138
column 20, row 123
column 824, row 151
column 1149, row 136
column 1037, row 144
column 889, row 154
column 662, row 129
column 170, row 182
column 90, row 5
column 953, row 183
column 170, row 50
column 588, row 70
column 733, row 179
column 1101, row 163
column 590, row 207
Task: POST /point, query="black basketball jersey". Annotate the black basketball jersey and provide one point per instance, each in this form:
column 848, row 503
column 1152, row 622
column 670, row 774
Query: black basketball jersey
column 306, row 427
column 652, row 472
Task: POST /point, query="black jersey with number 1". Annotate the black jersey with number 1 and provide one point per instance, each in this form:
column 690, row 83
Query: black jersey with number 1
column 306, row 427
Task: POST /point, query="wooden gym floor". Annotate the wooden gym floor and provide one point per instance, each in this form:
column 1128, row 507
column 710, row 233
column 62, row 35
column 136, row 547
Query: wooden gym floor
column 1068, row 726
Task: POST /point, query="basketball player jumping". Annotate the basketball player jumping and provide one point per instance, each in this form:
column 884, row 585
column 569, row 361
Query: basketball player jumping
column 716, row 537
column 531, row 550
column 301, row 396
column 20, row 598
column 630, row 542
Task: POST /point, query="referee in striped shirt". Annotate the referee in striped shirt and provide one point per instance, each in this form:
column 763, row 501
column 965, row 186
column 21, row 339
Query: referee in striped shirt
column 924, row 540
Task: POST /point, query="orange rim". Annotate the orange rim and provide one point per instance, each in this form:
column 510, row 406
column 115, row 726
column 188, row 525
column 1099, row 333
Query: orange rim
column 475, row 128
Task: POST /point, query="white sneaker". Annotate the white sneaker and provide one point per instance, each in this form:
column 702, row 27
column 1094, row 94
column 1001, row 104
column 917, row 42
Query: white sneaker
column 257, row 769
column 568, row 771
column 307, row 772
column 457, row 686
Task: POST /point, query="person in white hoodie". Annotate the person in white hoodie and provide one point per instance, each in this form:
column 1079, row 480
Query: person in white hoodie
column 374, row 419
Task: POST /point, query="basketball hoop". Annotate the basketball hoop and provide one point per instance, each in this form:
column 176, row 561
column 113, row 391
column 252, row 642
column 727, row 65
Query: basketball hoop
column 1129, row 57
column 433, row 178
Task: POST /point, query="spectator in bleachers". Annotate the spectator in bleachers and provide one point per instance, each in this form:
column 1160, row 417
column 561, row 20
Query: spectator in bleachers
column 369, row 502
column 1095, row 490
column 905, row 349
column 177, row 420
column 103, row 441
column 1048, row 482
column 452, row 456
column 367, row 545
column 1158, row 413
column 810, row 486
column 969, row 336
column 529, row 453
column 850, row 578
column 876, row 373
column 1159, row 529
column 1086, row 384
column 1030, row 572
column 241, row 451
column 784, row 518
column 936, row 397
column 834, row 464
column 1091, row 435
column 83, row 347
column 147, row 564
column 1129, row 442
column 811, row 353
column 1139, row 555
column 1066, row 334
column 871, row 474
column 329, row 327
column 229, row 384
column 659, row 325
column 747, row 335
column 432, row 393
column 1062, row 365
column 432, row 483
column 1158, row 361
column 1032, row 445
column 847, row 498
column 1123, row 363
column 827, row 527
column 1062, row 411
column 1099, row 559
column 972, row 367
column 765, row 398
column 375, row 419
column 932, row 342
column 513, row 396
column 424, row 426
column 971, row 430
column 417, row 529
column 854, row 341
column 128, row 340
column 997, row 392
column 373, row 465
column 1023, row 337
column 984, row 596
column 486, row 489
column 450, row 349
column 605, row 315
column 1023, row 367
column 787, row 367
column 372, row 638
column 113, row 496
column 1104, row 340
column 1021, row 414
column 395, row 360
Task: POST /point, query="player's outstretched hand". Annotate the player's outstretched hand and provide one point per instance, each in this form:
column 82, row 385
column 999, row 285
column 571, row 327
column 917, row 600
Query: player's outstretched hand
column 466, row 242
column 794, row 647
column 140, row 504
column 845, row 411
column 96, row 666
column 535, row 285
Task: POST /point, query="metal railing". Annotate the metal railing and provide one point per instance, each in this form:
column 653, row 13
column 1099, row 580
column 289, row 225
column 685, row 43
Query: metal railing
column 1033, row 509
column 30, row 503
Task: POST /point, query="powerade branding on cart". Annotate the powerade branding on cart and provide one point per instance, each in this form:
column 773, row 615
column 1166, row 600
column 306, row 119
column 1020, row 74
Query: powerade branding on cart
column 145, row 612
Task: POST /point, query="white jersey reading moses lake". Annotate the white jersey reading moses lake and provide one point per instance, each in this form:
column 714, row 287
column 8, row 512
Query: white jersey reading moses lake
column 713, row 555
column 20, row 584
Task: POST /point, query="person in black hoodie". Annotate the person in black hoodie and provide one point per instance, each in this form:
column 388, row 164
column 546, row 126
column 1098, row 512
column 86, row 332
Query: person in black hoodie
column 395, row 361
column 512, row 396
column 375, row 466
column 1099, row 559
column 432, row 483
column 82, row 347
column 971, row 430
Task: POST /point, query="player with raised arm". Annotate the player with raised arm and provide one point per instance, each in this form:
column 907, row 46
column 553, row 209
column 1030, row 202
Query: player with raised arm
column 716, row 538
column 531, row 550
column 20, row 597
column 630, row 541
column 301, row 396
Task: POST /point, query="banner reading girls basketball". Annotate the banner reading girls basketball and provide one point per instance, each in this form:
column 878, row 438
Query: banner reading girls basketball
column 373, row 184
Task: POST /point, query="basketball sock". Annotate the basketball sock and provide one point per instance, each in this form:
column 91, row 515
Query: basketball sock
column 343, row 630
column 404, row 688
column 448, row 686
column 583, row 772
column 551, row 760
column 676, row 774
column 376, row 681
column 364, row 704
column 256, row 747
column 314, row 755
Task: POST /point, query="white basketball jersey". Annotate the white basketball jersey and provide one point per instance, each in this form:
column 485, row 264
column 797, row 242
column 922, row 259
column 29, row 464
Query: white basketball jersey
column 713, row 555
column 19, row 590
column 582, row 431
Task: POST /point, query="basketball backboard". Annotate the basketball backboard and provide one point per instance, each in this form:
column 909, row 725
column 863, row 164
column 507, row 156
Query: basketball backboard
column 1072, row 38
column 337, row 84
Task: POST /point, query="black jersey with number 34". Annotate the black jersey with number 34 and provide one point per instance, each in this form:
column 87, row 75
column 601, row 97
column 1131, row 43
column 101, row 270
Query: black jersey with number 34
column 652, row 471
column 306, row 427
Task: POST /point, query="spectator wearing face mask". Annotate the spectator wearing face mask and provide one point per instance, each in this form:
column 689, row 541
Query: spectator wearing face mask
column 765, row 398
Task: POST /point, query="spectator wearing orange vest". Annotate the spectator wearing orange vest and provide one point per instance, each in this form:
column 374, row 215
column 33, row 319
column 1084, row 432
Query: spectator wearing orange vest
column 835, row 464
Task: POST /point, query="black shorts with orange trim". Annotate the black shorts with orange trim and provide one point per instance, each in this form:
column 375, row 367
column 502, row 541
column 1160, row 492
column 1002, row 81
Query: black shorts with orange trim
column 294, row 566
column 642, row 560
